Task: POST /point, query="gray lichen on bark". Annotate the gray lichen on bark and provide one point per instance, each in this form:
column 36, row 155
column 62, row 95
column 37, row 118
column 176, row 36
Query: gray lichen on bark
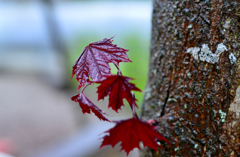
column 194, row 99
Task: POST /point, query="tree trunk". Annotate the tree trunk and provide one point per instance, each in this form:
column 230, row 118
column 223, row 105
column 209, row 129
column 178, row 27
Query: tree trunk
column 193, row 88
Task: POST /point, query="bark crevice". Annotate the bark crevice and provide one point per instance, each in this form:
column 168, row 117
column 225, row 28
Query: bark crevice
column 165, row 102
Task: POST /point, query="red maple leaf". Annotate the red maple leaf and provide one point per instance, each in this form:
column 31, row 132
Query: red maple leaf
column 88, row 106
column 118, row 88
column 95, row 58
column 131, row 132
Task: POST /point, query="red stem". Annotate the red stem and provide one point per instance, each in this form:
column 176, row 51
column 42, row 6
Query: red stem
column 85, row 86
column 133, row 106
column 119, row 71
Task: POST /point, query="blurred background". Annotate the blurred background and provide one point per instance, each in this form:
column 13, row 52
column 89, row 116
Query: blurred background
column 39, row 42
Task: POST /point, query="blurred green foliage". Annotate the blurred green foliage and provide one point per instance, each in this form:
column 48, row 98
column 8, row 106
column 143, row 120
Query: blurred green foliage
column 138, row 46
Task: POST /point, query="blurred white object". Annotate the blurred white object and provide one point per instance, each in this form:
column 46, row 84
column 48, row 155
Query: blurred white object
column 5, row 155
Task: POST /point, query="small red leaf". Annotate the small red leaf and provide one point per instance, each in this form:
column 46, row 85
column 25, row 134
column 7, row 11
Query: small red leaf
column 131, row 132
column 118, row 88
column 88, row 106
column 95, row 58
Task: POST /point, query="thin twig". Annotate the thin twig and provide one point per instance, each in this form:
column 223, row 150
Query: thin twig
column 85, row 86
column 133, row 106
column 119, row 71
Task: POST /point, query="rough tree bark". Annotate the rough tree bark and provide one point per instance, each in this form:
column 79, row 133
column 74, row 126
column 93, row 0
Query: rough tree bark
column 193, row 87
